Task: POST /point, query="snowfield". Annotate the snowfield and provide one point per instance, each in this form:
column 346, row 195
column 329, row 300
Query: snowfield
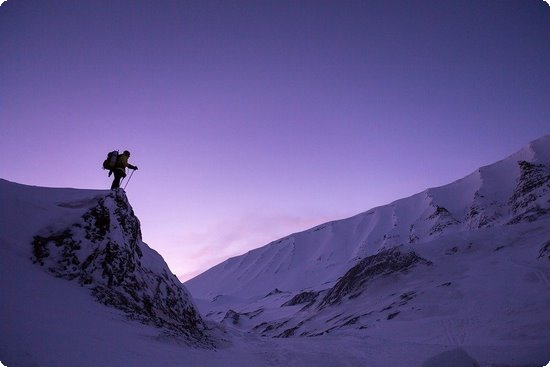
column 457, row 275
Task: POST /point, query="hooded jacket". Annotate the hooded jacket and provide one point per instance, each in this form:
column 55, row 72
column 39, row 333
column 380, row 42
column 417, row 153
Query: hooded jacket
column 122, row 163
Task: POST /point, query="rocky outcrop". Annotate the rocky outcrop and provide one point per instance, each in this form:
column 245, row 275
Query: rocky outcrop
column 529, row 200
column 483, row 212
column 544, row 252
column 308, row 298
column 386, row 262
column 232, row 316
column 103, row 251
column 441, row 218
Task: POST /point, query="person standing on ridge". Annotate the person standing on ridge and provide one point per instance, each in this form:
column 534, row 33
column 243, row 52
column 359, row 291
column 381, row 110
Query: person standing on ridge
column 120, row 169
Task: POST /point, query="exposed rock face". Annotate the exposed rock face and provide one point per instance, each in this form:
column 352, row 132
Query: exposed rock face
column 304, row 297
column 103, row 251
column 441, row 219
column 544, row 252
column 232, row 316
column 386, row 262
column 274, row 292
column 528, row 201
column 483, row 212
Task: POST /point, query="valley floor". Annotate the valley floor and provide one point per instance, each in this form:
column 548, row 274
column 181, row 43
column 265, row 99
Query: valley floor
column 345, row 350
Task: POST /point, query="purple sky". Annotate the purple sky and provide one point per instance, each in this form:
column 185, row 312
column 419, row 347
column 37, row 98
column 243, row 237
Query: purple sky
column 250, row 120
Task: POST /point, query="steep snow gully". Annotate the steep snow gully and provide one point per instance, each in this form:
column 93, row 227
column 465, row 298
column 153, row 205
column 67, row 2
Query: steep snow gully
column 456, row 275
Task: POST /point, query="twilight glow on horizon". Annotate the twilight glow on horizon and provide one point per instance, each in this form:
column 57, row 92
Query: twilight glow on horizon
column 251, row 120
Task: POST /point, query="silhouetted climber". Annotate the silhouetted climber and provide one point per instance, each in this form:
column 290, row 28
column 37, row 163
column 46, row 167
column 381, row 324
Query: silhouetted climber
column 120, row 169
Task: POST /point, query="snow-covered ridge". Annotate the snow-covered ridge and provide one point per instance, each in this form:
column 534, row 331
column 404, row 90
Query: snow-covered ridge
column 94, row 239
column 512, row 190
column 464, row 266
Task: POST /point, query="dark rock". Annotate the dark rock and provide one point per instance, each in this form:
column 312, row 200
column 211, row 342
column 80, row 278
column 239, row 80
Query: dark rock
column 439, row 211
column 533, row 183
column 545, row 251
column 451, row 251
column 103, row 252
column 274, row 292
column 392, row 315
column 406, row 297
column 483, row 213
column 235, row 317
column 300, row 298
column 413, row 237
column 352, row 321
column 253, row 314
column 443, row 219
column 386, row 262
column 232, row 316
column 270, row 326
column 289, row 332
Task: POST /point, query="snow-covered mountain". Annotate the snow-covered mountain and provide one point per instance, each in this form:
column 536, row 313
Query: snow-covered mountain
column 454, row 276
column 92, row 241
column 510, row 191
column 465, row 264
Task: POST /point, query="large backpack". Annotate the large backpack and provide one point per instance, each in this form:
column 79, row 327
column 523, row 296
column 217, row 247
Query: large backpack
column 111, row 162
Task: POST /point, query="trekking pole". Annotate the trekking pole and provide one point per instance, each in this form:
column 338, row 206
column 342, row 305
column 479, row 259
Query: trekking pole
column 131, row 174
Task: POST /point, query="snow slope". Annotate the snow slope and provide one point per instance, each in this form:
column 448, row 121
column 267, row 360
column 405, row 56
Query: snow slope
column 464, row 265
column 492, row 196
